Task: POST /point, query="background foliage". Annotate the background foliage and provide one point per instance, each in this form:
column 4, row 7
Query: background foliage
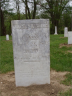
column 56, row 10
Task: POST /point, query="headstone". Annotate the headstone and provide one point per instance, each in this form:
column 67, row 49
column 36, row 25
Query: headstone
column 69, row 37
column 31, row 47
column 55, row 31
column 66, row 32
column 7, row 37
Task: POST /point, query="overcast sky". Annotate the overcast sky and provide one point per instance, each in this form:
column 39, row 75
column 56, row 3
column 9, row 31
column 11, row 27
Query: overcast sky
column 12, row 5
column 70, row 3
column 22, row 9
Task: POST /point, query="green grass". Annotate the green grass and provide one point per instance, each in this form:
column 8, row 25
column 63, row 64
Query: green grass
column 6, row 60
column 68, row 80
column 68, row 93
column 59, row 60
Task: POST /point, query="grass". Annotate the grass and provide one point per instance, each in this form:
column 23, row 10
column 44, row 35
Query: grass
column 59, row 60
column 68, row 93
column 68, row 80
column 6, row 58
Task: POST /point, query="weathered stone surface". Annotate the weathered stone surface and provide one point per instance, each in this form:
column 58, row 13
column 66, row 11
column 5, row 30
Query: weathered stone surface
column 66, row 32
column 31, row 48
column 7, row 37
column 55, row 31
column 69, row 37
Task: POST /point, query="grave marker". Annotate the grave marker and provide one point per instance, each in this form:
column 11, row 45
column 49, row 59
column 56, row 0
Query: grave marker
column 7, row 37
column 55, row 31
column 69, row 37
column 31, row 47
column 66, row 32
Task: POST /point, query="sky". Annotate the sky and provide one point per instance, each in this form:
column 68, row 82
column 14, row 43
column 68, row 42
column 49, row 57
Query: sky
column 13, row 5
column 22, row 8
column 70, row 3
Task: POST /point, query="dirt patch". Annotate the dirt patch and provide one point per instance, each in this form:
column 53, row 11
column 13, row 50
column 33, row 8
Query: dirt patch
column 69, row 51
column 66, row 45
column 63, row 37
column 8, row 88
column 6, row 40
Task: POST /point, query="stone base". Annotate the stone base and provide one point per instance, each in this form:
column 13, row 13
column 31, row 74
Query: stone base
column 55, row 34
column 70, row 37
column 65, row 36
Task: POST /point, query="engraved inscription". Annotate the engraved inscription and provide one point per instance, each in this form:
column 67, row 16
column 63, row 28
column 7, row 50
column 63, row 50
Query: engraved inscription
column 31, row 26
column 28, row 47
column 31, row 51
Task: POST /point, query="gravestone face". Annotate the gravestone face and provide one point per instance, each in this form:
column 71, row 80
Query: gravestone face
column 66, row 32
column 55, row 31
column 31, row 48
column 7, row 37
column 69, row 37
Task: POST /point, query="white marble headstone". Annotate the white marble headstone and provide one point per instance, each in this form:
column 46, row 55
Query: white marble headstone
column 31, row 48
column 66, row 32
column 55, row 31
column 7, row 37
column 69, row 37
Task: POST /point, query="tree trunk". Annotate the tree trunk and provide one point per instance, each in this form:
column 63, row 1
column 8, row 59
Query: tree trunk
column 34, row 12
column 18, row 12
column 0, row 19
column 26, row 12
column 3, row 30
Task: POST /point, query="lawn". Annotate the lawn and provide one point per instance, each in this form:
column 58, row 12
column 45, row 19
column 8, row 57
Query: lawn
column 6, row 57
column 60, row 59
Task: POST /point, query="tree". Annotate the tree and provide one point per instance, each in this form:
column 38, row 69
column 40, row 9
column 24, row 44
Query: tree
column 54, row 8
column 67, row 17
column 18, row 9
column 3, row 4
column 30, row 8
